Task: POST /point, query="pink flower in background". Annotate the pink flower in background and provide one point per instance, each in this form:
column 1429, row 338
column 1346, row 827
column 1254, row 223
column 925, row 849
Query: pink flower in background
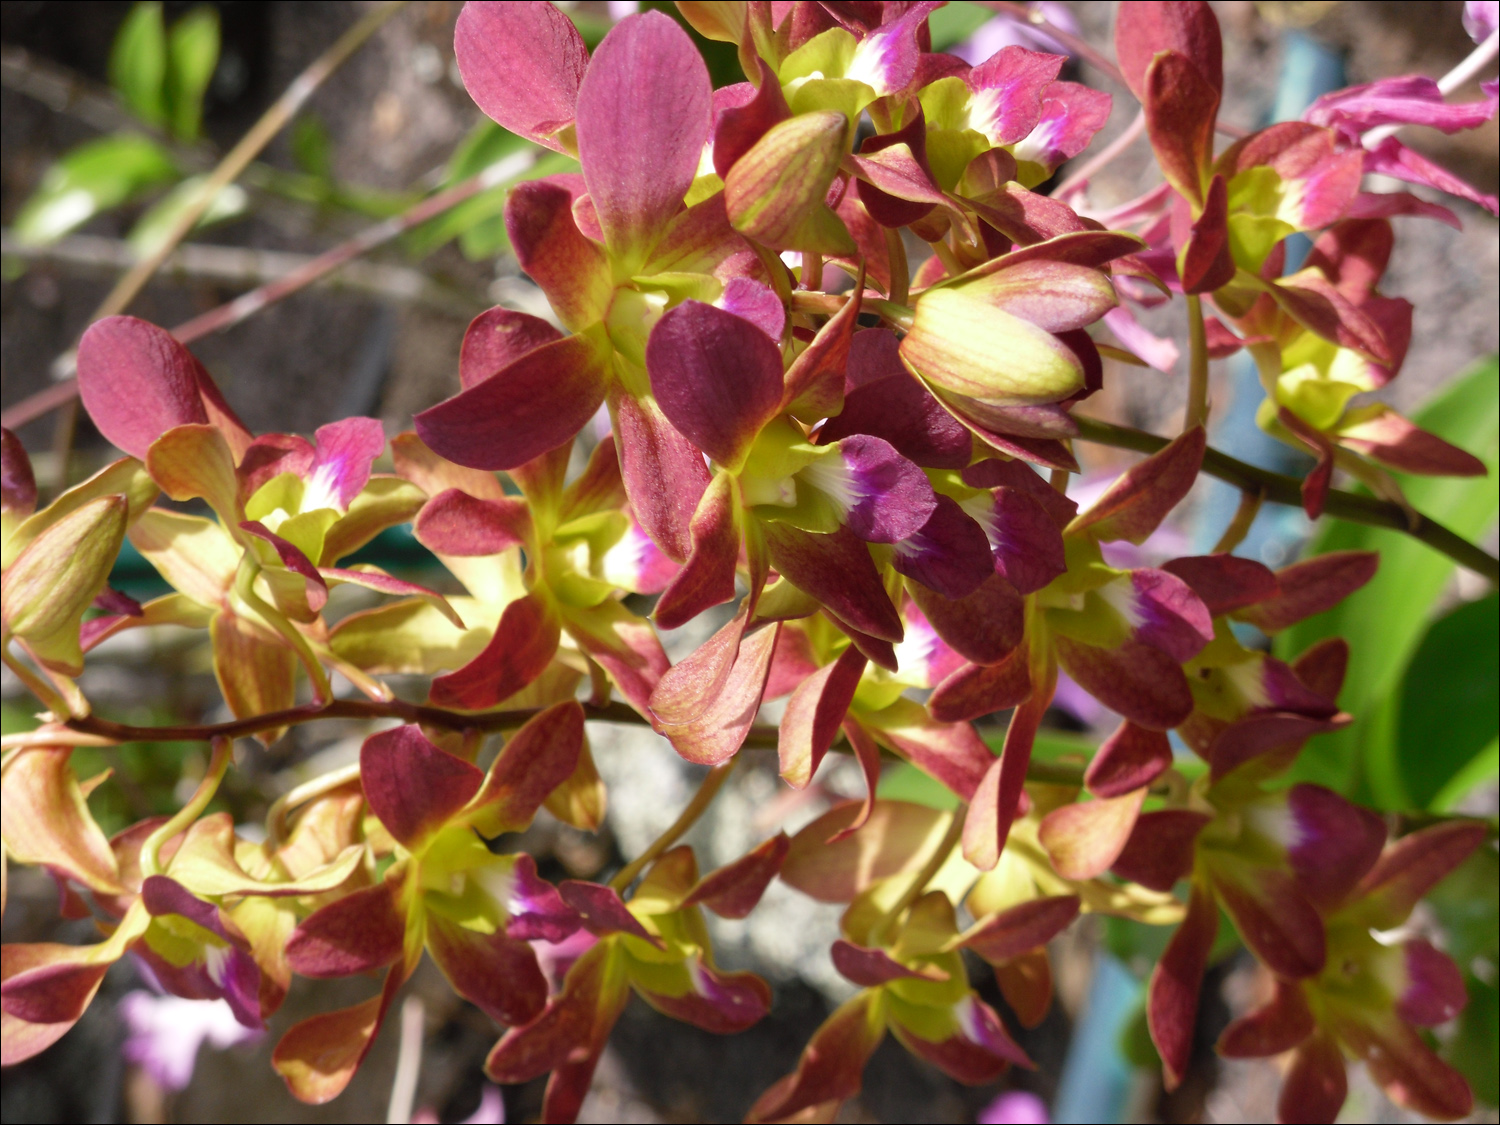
column 1014, row 1107
column 166, row 1032
column 1007, row 31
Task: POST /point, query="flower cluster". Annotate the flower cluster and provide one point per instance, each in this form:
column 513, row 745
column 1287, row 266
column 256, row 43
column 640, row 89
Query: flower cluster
column 794, row 421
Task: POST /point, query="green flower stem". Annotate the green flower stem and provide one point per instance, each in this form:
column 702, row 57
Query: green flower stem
column 1197, row 403
column 689, row 816
column 1239, row 526
column 1277, row 488
column 218, row 765
column 929, row 870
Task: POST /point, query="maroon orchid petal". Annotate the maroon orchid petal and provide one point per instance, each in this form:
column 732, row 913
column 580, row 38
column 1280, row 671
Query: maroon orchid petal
column 948, row 554
column 993, row 808
column 137, row 382
column 867, row 755
column 1313, row 302
column 1022, row 928
column 1410, row 1072
column 293, row 559
column 360, row 931
column 1130, row 758
column 1266, row 733
column 571, row 269
column 984, row 627
column 882, row 496
column 1140, row 682
column 707, row 578
column 1224, row 582
column 1333, row 843
column 814, row 383
column 1017, row 78
column 411, row 785
column 624, row 645
column 756, row 303
column 734, row 889
column 1322, row 668
column 715, row 734
column 1393, row 441
column 716, row 376
column 17, row 484
column 869, row 968
column 1387, row 204
column 1143, row 29
column 497, row 338
column 994, row 473
column 495, row 972
column 1072, row 114
column 112, row 601
column 1024, row 537
column 831, row 1066
column 900, row 410
column 1160, row 849
column 915, row 191
column 1172, row 997
column 951, row 753
column 1274, row 1027
column 1311, row 587
column 1434, row 991
column 1181, row 107
column 1165, row 613
column 1278, row 923
column 723, row 1003
column 1134, row 506
column 978, row 1054
column 792, row 662
column 319, row 1056
column 1392, row 158
column 602, row 910
column 1204, row 262
column 837, row 570
column 455, row 523
column 536, row 760
column 537, row 912
column 976, row 690
column 523, row 411
column 1316, row 1083
column 522, row 64
column 663, row 471
column 814, row 714
column 1411, row 867
column 639, row 166
column 737, row 127
column 523, row 645
column 689, row 687
column 1084, row 839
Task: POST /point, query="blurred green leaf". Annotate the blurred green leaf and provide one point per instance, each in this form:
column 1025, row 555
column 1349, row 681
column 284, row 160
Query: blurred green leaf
column 592, row 27
column 1483, row 767
column 192, row 54
column 138, row 63
column 1467, row 904
column 479, row 223
column 93, row 177
column 955, row 22
column 312, row 147
column 1449, row 707
column 153, row 227
column 1385, row 621
column 904, row 782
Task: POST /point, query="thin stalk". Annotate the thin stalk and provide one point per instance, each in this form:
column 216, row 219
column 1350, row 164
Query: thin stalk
column 1197, row 403
column 218, row 765
column 282, row 807
column 689, row 816
column 1239, row 526
column 949, row 259
column 929, row 869
column 239, row 157
column 1277, row 488
column 408, row 1062
column 895, row 251
column 1102, row 158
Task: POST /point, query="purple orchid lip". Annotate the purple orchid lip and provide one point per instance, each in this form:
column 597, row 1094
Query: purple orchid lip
column 883, row 497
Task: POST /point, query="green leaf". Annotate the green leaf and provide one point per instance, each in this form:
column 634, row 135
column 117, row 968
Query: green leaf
column 94, row 177
column 153, row 227
column 312, row 147
column 955, row 22
column 138, row 63
column 904, row 782
column 1385, row 621
column 1449, row 705
column 192, row 54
